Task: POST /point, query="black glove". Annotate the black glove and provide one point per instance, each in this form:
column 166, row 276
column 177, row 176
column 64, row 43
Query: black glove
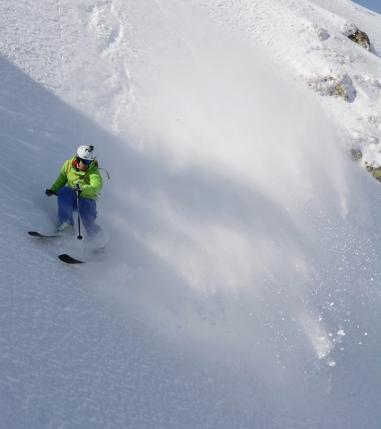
column 49, row 192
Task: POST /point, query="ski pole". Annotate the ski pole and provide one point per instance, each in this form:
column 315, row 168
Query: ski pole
column 78, row 191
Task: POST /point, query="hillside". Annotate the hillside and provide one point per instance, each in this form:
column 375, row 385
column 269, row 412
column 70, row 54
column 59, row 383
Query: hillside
column 241, row 283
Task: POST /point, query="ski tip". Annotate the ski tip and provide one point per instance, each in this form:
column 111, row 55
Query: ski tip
column 39, row 235
column 34, row 233
column 64, row 257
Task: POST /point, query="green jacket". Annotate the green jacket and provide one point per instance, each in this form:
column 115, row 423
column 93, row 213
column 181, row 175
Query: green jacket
column 90, row 181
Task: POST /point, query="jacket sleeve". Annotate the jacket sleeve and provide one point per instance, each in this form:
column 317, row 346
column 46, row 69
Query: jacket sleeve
column 61, row 179
column 95, row 185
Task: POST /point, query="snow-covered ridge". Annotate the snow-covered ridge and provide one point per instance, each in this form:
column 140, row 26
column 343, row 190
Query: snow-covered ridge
column 241, row 284
column 310, row 39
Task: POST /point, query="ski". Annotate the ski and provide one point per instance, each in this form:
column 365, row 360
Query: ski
column 39, row 235
column 64, row 257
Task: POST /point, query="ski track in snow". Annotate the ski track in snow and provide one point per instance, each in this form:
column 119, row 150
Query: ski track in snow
column 241, row 285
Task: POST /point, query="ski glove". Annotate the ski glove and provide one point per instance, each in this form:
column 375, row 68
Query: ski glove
column 49, row 192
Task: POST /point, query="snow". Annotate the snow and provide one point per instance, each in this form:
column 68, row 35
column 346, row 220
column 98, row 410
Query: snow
column 241, row 283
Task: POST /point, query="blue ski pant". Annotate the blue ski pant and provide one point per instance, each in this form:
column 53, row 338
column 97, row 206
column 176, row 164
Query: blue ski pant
column 67, row 204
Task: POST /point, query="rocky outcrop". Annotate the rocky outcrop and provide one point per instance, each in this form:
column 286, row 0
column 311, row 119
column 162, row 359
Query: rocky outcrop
column 356, row 35
column 374, row 171
column 361, row 39
column 337, row 86
column 374, row 168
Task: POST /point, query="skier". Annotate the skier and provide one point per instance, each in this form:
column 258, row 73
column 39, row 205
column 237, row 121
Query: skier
column 78, row 174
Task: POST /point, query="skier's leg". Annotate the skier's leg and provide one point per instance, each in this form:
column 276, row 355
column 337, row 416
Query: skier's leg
column 66, row 199
column 88, row 212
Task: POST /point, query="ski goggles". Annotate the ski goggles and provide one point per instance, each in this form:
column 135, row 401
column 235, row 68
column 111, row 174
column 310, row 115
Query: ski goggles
column 84, row 161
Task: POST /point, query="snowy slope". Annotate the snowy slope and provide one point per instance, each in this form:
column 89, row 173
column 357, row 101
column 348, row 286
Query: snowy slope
column 241, row 287
column 313, row 45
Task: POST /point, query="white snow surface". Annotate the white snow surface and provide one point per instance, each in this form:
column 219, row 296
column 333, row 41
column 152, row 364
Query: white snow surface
column 241, row 283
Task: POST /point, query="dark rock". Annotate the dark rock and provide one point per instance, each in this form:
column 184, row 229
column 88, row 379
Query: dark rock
column 356, row 35
column 361, row 39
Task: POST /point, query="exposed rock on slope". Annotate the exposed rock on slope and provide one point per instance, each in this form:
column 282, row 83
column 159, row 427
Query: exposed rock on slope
column 356, row 35
column 339, row 86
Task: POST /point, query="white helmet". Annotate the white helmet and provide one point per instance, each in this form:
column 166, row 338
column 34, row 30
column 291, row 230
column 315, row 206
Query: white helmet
column 86, row 152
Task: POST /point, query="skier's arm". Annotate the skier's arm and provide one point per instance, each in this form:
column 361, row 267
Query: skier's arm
column 61, row 179
column 93, row 188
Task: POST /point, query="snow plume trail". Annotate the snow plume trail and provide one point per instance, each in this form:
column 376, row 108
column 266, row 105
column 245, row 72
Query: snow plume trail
column 227, row 193
column 236, row 161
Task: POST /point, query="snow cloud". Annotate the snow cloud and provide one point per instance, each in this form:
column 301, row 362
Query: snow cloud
column 240, row 156
column 227, row 174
